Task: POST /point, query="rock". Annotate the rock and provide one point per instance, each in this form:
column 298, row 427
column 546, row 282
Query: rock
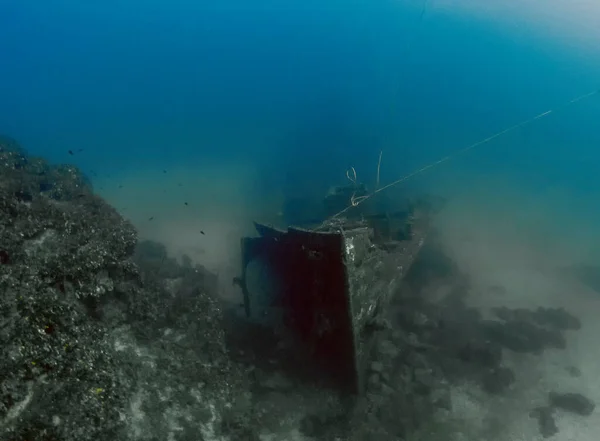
column 424, row 380
column 522, row 336
column 546, row 422
column 85, row 350
column 441, row 397
column 377, row 367
column 387, row 390
column 378, row 323
column 398, row 336
column 388, row 349
column 413, row 341
column 374, row 381
column 62, row 246
column 556, row 318
column 483, row 353
column 572, row 402
column 415, row 360
column 508, row 314
column 497, row 380
column 524, row 330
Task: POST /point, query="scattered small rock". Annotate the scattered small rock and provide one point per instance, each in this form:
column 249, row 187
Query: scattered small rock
column 374, row 381
column 388, row 349
column 424, row 380
column 572, row 402
column 481, row 353
column 497, row 380
column 546, row 421
column 521, row 335
column 556, row 318
column 377, row 366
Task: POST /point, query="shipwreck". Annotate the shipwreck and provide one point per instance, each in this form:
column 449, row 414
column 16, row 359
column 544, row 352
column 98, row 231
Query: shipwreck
column 329, row 278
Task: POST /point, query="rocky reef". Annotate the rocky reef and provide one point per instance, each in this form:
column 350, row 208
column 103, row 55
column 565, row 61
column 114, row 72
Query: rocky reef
column 100, row 337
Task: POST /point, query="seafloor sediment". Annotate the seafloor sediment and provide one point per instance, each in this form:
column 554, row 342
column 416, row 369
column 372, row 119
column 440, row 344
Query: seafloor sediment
column 105, row 338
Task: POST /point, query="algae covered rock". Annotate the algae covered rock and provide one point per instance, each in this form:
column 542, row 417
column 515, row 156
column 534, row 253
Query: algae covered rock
column 94, row 343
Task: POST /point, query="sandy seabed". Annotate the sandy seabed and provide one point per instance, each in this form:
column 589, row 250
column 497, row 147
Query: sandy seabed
column 204, row 216
column 496, row 255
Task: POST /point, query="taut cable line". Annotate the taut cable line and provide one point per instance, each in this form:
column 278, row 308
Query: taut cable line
column 351, row 174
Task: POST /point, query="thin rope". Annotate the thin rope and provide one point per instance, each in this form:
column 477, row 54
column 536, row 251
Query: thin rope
column 359, row 200
column 378, row 169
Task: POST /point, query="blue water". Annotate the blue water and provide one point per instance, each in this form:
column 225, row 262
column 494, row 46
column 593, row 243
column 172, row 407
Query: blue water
column 257, row 100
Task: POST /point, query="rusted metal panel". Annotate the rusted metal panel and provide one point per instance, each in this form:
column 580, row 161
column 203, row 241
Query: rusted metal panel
column 331, row 282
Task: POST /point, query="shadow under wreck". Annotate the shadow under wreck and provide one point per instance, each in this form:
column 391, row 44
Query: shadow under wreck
column 321, row 286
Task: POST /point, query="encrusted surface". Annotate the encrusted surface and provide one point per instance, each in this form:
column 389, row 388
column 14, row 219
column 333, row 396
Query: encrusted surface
column 336, row 279
column 373, row 274
column 98, row 342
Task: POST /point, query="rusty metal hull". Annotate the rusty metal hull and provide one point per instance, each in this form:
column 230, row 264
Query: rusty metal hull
column 334, row 281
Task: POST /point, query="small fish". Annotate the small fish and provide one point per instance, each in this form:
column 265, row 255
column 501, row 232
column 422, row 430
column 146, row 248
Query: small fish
column 185, row 203
column 71, row 152
column 151, row 218
column 202, row 232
